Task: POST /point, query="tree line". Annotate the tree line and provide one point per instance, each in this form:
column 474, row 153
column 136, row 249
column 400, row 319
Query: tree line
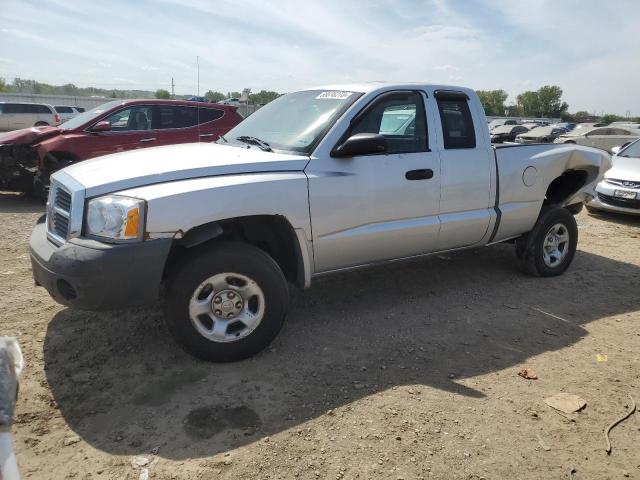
column 545, row 102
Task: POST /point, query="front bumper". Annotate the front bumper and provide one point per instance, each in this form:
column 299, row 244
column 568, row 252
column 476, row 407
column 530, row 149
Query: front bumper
column 92, row 275
column 605, row 199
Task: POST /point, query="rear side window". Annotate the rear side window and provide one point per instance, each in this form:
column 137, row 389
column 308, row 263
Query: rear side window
column 16, row 108
column 35, row 108
column 61, row 109
column 457, row 124
column 210, row 114
column 174, row 116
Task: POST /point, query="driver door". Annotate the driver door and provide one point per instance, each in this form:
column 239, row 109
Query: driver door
column 376, row 207
column 130, row 129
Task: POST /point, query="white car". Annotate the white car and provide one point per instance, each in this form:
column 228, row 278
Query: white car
column 66, row 112
column 619, row 191
column 17, row 115
column 604, row 138
column 230, row 101
column 317, row 181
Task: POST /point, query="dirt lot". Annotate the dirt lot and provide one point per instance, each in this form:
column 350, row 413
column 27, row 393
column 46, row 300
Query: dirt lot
column 405, row 371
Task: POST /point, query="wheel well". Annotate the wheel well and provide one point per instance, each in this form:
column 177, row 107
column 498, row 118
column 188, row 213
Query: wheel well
column 270, row 233
column 56, row 160
column 565, row 186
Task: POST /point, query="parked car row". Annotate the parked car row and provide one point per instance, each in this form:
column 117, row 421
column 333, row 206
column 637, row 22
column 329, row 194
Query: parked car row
column 29, row 156
column 604, row 138
column 17, row 115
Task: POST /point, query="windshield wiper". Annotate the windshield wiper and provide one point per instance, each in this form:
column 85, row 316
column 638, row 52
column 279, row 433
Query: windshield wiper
column 221, row 137
column 255, row 141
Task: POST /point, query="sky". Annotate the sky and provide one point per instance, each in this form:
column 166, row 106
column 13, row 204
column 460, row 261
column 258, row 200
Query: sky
column 590, row 48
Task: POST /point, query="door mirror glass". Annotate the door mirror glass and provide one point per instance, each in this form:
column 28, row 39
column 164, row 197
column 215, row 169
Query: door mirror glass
column 361, row 144
column 102, row 126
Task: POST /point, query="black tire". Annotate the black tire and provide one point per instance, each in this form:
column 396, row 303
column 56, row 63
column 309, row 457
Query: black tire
column 41, row 124
column 571, row 142
column 207, row 261
column 530, row 247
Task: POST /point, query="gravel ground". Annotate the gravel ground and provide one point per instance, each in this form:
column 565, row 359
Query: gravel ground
column 400, row 372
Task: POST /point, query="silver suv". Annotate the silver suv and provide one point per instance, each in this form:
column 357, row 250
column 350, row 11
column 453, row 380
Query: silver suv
column 14, row 115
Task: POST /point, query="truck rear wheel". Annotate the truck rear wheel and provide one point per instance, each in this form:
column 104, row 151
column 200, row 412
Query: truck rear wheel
column 549, row 248
column 227, row 302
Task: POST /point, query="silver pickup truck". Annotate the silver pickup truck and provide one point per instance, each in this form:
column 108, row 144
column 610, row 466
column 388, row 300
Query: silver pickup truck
column 318, row 181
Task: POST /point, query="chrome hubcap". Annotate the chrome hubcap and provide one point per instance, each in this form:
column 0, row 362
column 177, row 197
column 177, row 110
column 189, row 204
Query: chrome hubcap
column 226, row 307
column 556, row 245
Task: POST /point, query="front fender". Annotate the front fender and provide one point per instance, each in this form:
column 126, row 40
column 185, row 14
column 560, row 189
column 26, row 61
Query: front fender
column 177, row 207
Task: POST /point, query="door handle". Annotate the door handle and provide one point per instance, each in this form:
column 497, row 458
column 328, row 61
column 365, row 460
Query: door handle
column 205, row 135
column 421, row 174
column 144, row 140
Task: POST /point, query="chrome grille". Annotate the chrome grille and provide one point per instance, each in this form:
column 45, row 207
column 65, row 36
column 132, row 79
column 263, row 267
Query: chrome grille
column 62, row 200
column 59, row 213
column 60, row 225
column 623, row 183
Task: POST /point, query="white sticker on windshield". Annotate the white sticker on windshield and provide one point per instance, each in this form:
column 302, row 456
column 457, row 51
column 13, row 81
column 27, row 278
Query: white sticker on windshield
column 335, row 95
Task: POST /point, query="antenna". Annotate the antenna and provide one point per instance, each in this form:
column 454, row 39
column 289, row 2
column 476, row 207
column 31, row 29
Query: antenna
column 173, row 91
column 198, row 64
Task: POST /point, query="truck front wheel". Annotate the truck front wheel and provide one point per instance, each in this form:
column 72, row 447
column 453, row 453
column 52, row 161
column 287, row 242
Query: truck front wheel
column 227, row 302
column 549, row 248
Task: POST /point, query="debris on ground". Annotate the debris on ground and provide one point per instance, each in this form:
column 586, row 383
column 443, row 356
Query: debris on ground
column 566, row 402
column 613, row 424
column 71, row 440
column 601, row 357
column 542, row 443
column 139, row 462
column 528, row 373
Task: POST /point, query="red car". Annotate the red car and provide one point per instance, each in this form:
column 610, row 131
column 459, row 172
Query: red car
column 29, row 156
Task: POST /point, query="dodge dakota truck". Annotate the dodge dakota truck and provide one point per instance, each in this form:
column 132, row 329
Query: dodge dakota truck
column 318, row 181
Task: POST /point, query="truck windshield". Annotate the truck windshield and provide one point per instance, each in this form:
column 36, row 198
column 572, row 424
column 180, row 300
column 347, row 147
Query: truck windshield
column 89, row 115
column 294, row 122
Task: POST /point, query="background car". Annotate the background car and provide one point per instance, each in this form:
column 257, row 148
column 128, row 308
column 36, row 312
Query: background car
column 540, row 135
column 66, row 112
column 568, row 126
column 619, row 191
column 16, row 115
column 230, row 101
column 499, row 122
column 116, row 127
column 80, row 109
column 507, row 133
column 604, row 138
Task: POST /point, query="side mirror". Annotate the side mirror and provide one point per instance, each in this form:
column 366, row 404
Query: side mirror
column 616, row 150
column 102, row 126
column 361, row 144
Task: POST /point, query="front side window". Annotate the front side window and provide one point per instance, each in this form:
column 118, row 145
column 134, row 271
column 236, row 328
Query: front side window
column 457, row 124
column 131, row 119
column 400, row 118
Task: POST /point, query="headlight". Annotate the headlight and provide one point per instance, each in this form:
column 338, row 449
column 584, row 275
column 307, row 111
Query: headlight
column 114, row 217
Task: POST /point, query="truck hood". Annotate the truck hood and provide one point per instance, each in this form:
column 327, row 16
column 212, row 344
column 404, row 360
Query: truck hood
column 148, row 166
column 624, row 168
column 28, row 136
